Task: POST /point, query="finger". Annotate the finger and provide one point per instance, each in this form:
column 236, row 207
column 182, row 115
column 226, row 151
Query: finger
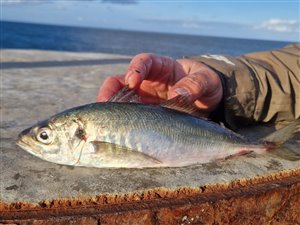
column 148, row 66
column 110, row 87
column 138, row 69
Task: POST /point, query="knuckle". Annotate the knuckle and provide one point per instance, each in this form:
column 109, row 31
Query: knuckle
column 142, row 57
column 141, row 63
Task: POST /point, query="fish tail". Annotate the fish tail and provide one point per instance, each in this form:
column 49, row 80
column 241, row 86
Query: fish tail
column 274, row 141
column 279, row 137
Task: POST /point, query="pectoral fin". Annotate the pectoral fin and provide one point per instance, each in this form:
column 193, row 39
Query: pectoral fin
column 124, row 155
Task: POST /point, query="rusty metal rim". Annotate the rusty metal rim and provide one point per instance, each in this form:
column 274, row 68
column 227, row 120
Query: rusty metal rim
column 149, row 199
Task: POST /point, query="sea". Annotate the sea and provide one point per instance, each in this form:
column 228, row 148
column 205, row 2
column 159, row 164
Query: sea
column 15, row 35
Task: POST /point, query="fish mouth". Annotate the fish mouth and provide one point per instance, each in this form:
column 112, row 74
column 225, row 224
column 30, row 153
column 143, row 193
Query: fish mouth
column 20, row 139
column 20, row 142
column 26, row 146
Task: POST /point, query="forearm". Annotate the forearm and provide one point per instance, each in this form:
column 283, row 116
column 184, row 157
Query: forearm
column 259, row 87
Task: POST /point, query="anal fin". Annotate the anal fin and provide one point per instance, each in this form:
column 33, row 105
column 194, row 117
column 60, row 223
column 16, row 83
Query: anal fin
column 240, row 153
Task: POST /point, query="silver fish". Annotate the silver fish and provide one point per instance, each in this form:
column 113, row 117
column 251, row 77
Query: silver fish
column 134, row 135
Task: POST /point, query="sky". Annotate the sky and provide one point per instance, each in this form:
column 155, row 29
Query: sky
column 253, row 19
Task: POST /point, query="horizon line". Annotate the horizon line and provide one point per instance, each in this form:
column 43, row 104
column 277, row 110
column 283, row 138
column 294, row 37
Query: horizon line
column 142, row 31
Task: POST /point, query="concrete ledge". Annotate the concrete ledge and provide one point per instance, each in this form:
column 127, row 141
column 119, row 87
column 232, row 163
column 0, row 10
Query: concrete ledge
column 266, row 200
column 253, row 189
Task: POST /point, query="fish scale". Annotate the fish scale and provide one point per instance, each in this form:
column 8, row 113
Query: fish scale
column 183, row 130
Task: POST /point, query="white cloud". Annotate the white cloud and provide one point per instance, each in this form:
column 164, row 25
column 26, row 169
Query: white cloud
column 279, row 25
column 194, row 23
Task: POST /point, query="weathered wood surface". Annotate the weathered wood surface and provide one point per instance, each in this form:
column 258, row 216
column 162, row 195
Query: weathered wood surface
column 254, row 189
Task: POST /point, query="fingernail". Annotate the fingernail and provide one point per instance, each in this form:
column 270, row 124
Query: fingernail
column 179, row 91
column 131, row 82
column 182, row 92
column 127, row 77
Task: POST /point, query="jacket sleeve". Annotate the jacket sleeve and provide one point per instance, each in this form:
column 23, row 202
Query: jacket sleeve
column 259, row 87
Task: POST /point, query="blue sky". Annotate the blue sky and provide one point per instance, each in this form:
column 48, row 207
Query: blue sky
column 265, row 19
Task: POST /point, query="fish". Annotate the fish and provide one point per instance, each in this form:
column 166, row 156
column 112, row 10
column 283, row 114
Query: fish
column 134, row 135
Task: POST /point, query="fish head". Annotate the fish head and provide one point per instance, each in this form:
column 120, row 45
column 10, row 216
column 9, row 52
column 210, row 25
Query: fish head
column 51, row 141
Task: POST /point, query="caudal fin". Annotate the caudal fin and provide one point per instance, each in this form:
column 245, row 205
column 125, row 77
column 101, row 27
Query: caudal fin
column 275, row 140
column 282, row 135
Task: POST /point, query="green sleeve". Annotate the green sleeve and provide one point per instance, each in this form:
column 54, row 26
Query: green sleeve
column 259, row 87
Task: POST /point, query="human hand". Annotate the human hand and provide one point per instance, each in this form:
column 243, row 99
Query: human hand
column 157, row 78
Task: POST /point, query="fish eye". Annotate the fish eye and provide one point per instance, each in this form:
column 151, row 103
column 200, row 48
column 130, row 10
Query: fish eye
column 45, row 135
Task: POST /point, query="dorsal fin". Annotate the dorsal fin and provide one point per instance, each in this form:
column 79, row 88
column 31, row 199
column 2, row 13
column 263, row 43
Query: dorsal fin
column 125, row 95
column 181, row 103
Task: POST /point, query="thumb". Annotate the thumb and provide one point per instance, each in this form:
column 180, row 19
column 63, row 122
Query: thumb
column 192, row 86
column 202, row 88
